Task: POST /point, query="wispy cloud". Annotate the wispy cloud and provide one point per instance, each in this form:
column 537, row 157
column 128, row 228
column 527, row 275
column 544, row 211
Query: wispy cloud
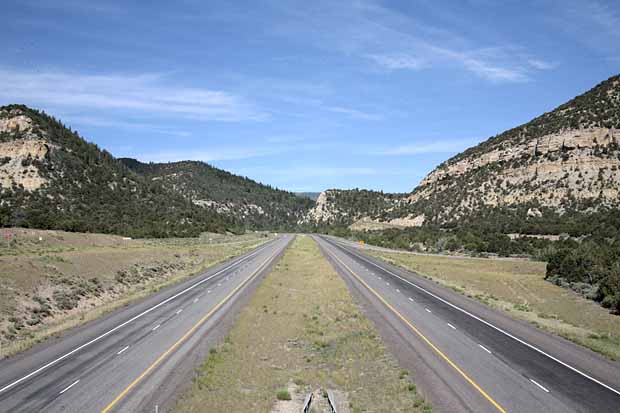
column 541, row 64
column 81, row 120
column 311, row 171
column 354, row 113
column 448, row 146
column 258, row 148
column 398, row 61
column 211, row 155
column 390, row 39
column 146, row 93
column 589, row 22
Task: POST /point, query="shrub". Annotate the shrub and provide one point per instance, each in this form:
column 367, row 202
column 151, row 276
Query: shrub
column 283, row 394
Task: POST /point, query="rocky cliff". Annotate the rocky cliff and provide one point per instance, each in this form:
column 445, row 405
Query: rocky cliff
column 567, row 159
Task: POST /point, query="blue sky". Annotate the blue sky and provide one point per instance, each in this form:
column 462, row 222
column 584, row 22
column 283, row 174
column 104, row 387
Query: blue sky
column 303, row 95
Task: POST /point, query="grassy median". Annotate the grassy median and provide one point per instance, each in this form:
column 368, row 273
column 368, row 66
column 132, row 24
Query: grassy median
column 518, row 287
column 301, row 331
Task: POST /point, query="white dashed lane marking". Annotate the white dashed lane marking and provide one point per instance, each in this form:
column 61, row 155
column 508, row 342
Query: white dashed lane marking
column 68, row 387
column 122, row 350
column 484, row 348
column 540, row 386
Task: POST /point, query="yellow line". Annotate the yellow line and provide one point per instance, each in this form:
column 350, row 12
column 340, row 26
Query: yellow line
column 423, row 337
column 182, row 339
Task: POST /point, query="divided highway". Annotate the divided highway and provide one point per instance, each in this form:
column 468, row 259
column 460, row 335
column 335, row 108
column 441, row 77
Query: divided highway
column 129, row 360
column 467, row 357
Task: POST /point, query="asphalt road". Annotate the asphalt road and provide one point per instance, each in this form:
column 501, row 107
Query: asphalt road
column 130, row 359
column 468, row 357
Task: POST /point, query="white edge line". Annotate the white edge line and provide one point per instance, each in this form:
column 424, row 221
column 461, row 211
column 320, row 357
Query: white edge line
column 68, row 387
column 122, row 351
column 142, row 314
column 539, row 385
column 525, row 343
column 451, row 326
column 484, row 348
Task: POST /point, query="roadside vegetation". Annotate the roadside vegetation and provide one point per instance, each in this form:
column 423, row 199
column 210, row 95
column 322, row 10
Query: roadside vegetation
column 54, row 280
column 518, row 287
column 582, row 256
column 300, row 332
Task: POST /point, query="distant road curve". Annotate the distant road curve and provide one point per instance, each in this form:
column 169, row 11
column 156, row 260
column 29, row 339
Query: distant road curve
column 132, row 359
column 468, row 357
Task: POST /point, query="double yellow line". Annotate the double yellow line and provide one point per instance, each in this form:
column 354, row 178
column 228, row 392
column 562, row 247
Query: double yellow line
column 185, row 336
column 423, row 337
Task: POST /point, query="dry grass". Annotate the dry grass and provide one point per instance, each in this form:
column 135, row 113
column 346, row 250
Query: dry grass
column 519, row 288
column 301, row 327
column 54, row 280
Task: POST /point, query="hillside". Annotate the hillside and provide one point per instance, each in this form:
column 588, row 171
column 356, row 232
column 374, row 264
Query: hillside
column 310, row 195
column 345, row 207
column 561, row 163
column 247, row 202
column 51, row 178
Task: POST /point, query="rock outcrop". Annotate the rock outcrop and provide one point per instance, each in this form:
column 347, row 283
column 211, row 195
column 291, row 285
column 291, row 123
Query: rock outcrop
column 567, row 159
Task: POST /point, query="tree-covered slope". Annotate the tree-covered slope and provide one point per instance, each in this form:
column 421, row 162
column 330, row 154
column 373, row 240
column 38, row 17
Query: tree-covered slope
column 51, row 178
column 247, row 202
column 344, row 207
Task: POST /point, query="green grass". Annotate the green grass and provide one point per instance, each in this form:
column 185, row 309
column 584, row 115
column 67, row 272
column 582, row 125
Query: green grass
column 283, row 394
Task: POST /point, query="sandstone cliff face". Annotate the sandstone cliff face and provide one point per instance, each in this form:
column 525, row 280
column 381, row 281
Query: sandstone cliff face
column 18, row 157
column 324, row 210
column 16, row 167
column 566, row 159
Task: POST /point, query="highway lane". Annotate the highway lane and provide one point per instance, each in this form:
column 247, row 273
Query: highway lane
column 121, row 362
column 468, row 357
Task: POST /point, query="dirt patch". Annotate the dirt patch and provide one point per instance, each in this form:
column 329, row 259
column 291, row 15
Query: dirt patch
column 301, row 332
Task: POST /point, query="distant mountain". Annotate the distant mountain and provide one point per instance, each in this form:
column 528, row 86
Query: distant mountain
column 310, row 195
column 346, row 207
column 243, row 200
column 51, row 178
